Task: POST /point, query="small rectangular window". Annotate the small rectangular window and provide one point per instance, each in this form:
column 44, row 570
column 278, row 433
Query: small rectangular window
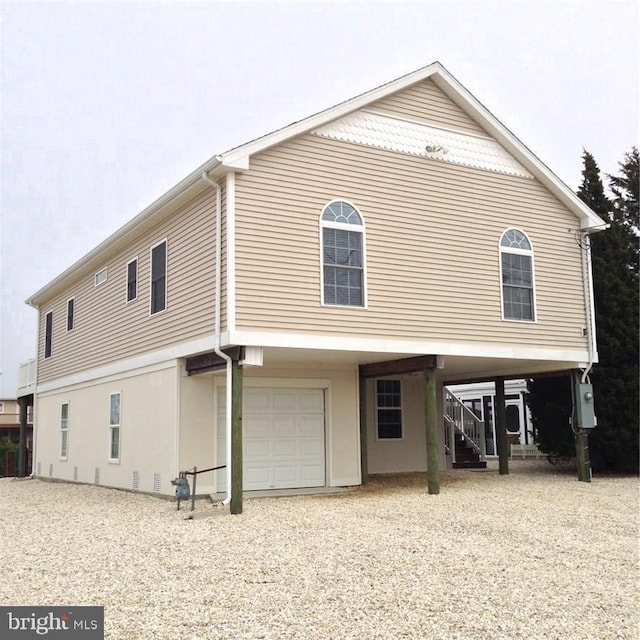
column 48, row 334
column 101, row 276
column 132, row 280
column 389, row 409
column 114, row 426
column 64, row 430
column 70, row 309
column 1, row 407
column 159, row 277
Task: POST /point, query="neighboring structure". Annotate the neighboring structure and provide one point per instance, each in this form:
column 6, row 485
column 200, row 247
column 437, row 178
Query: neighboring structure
column 10, row 432
column 350, row 265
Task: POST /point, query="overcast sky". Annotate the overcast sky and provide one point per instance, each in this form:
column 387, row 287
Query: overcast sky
column 105, row 106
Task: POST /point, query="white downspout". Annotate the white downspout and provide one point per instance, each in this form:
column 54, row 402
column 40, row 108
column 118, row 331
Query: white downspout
column 216, row 347
column 587, row 280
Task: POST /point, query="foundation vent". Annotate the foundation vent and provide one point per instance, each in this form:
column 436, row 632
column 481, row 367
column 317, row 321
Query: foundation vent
column 75, row 474
column 136, row 480
column 96, row 476
column 156, row 482
column 50, row 470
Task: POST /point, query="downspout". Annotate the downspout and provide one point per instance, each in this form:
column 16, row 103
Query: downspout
column 216, row 347
column 589, row 304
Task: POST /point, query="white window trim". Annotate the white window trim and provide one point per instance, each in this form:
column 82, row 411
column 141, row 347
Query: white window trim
column 523, row 252
column 115, row 426
column 65, row 430
column 49, row 313
column 73, row 317
column 98, row 275
column 126, row 280
column 322, row 224
column 1, row 407
column 401, row 408
column 166, row 277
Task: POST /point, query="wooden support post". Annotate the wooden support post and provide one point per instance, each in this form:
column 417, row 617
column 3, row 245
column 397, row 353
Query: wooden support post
column 236, row 438
column 580, row 435
column 431, row 423
column 22, row 442
column 501, row 428
column 364, row 462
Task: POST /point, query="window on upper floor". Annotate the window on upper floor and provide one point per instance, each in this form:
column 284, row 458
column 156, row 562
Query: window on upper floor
column 159, row 277
column 100, row 277
column 132, row 280
column 64, row 430
column 71, row 303
column 389, row 409
column 48, row 334
column 517, row 276
column 1, row 407
column 342, row 231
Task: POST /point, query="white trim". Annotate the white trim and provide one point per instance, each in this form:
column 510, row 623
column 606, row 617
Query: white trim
column 73, row 315
column 126, row 280
column 409, row 347
column 166, row 276
column 522, row 252
column 230, row 186
column 172, row 353
column 361, row 228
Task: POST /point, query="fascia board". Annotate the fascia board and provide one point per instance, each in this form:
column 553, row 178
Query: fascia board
column 212, row 167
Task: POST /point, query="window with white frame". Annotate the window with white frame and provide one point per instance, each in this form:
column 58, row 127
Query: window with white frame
column 342, row 231
column 132, row 280
column 100, row 277
column 1, row 407
column 48, row 334
column 389, row 409
column 71, row 304
column 114, row 426
column 517, row 276
column 64, row 429
column 159, row 277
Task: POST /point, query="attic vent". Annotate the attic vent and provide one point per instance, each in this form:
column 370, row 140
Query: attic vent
column 156, row 482
column 96, row 476
column 75, row 474
column 136, row 480
column 50, row 470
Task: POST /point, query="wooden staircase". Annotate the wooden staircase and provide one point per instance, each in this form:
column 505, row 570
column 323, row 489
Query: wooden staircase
column 466, row 456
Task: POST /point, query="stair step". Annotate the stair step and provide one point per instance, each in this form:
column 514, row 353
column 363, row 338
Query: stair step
column 476, row 464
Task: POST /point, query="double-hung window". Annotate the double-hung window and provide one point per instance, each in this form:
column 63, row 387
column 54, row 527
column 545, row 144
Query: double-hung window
column 159, row 277
column 517, row 276
column 342, row 256
column 114, row 427
column 389, row 409
column 132, row 280
column 48, row 334
column 64, row 430
column 71, row 303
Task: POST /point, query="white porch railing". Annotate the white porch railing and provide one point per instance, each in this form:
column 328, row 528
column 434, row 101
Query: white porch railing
column 27, row 378
column 460, row 419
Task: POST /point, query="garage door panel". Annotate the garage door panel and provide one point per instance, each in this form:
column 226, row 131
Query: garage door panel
column 283, row 437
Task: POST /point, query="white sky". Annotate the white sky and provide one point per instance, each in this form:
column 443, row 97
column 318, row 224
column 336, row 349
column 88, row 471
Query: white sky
column 105, row 106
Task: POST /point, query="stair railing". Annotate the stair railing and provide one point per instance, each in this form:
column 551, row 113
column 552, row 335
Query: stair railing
column 461, row 420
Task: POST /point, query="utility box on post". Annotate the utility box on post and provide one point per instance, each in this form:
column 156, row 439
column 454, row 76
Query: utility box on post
column 584, row 406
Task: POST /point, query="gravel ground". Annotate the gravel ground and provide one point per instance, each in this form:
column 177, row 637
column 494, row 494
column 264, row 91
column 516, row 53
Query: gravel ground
column 535, row 554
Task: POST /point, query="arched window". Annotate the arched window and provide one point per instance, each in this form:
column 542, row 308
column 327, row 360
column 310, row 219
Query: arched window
column 516, row 268
column 342, row 233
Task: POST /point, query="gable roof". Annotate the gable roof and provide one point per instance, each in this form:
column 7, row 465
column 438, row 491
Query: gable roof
column 238, row 158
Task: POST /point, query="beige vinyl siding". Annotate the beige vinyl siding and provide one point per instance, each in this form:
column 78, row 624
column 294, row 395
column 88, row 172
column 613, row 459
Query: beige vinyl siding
column 107, row 328
column 431, row 227
column 424, row 102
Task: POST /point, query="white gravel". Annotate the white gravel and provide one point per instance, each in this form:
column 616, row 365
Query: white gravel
column 535, row 554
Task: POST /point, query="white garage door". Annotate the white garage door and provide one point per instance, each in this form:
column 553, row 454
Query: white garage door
column 283, row 437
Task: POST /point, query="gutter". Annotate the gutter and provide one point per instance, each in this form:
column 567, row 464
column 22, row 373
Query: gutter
column 216, row 348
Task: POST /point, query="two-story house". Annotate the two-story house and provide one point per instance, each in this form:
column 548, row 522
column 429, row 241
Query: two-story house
column 296, row 304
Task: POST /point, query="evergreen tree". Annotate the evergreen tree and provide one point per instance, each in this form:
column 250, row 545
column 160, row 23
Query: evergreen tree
column 614, row 442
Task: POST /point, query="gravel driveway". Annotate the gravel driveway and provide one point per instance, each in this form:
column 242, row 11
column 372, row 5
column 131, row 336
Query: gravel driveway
column 535, row 554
